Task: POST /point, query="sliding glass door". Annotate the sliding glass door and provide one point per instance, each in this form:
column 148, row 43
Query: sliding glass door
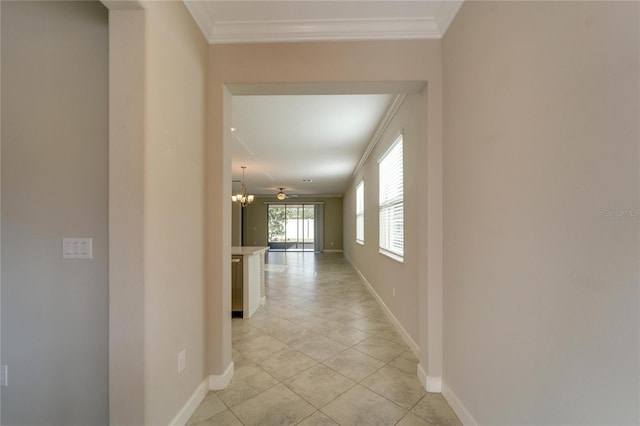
column 291, row 227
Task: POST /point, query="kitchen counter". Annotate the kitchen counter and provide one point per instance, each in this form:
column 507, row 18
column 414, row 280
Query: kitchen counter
column 248, row 250
column 253, row 292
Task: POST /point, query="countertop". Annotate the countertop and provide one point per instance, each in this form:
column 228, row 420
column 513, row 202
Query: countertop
column 248, row 250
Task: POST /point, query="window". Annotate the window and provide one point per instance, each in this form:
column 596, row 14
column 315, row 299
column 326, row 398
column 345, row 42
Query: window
column 360, row 213
column 291, row 227
column 392, row 201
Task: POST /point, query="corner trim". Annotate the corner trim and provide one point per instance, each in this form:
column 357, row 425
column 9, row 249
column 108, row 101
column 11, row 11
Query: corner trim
column 434, row 384
column 123, row 5
column 263, row 300
column 430, row 383
column 465, row 417
column 217, row 382
column 405, row 336
column 198, row 11
column 191, row 405
column 447, row 12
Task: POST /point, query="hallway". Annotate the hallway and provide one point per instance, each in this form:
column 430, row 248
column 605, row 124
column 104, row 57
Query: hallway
column 320, row 352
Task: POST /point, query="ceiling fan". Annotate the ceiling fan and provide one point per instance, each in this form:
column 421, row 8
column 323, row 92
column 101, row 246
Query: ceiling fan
column 282, row 196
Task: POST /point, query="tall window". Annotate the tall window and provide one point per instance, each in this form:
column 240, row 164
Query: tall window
column 360, row 213
column 392, row 201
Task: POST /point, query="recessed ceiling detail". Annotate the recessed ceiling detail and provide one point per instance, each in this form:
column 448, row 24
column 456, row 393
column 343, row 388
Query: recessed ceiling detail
column 274, row 21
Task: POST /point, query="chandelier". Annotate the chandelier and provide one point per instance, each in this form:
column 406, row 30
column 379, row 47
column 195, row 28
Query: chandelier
column 242, row 196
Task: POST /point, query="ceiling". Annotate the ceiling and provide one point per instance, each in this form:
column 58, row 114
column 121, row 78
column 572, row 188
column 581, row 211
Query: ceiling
column 285, row 138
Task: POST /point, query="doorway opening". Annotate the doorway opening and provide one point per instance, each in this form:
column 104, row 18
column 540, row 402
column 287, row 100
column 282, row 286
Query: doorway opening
column 291, row 227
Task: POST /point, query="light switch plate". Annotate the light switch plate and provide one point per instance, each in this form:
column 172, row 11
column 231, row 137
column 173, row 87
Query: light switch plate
column 77, row 248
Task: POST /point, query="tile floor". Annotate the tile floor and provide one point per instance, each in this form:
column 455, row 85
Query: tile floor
column 320, row 352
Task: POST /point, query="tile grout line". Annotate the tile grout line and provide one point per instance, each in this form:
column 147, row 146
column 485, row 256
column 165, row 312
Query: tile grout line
column 294, row 301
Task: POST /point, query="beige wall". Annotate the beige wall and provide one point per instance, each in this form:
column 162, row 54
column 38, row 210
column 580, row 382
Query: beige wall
column 158, row 304
column 383, row 273
column 126, row 216
column 172, row 143
column 54, row 185
column 174, row 207
column 256, row 222
column 333, row 225
column 541, row 107
column 320, row 62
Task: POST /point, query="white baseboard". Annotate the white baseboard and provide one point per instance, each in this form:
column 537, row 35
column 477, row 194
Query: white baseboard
column 434, row 384
column 399, row 328
column 422, row 376
column 333, row 251
column 217, row 382
column 190, row 406
column 462, row 413
column 430, row 383
column 263, row 300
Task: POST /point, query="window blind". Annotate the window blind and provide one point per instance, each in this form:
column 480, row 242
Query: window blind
column 360, row 213
column 391, row 201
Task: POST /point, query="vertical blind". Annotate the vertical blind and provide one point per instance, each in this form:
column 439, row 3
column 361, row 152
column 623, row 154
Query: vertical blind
column 392, row 201
column 360, row 212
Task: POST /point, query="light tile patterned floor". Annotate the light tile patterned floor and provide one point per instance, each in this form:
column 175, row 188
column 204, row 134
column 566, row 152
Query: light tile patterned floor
column 320, row 352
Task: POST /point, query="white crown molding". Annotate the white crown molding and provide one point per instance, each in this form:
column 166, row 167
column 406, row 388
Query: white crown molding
column 220, row 32
column 382, row 126
column 123, row 4
column 200, row 14
column 447, row 12
column 319, row 30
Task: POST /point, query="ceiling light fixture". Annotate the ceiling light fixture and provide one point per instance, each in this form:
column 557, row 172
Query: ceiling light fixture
column 242, row 196
column 281, row 195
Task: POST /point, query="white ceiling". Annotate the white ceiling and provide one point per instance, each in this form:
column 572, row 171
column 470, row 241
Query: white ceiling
column 238, row 21
column 285, row 139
